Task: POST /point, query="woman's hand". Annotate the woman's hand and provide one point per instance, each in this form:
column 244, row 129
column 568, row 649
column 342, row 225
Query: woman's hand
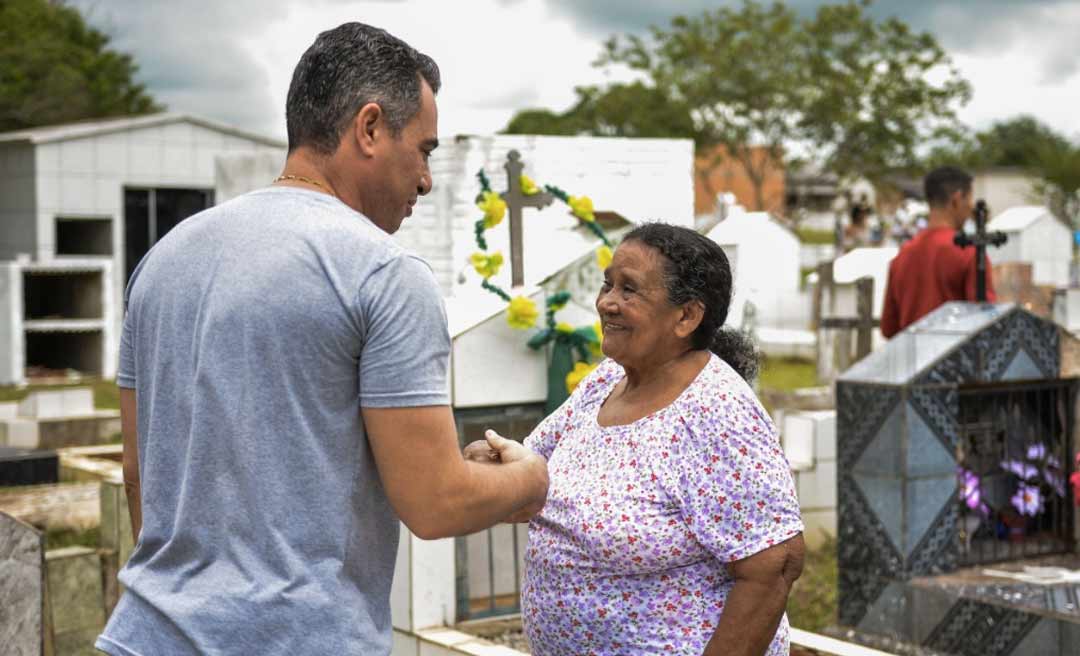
column 480, row 451
column 756, row 602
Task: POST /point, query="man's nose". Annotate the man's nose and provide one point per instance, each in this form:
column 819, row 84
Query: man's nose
column 425, row 184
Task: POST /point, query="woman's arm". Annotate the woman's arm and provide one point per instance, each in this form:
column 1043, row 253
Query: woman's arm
column 756, row 603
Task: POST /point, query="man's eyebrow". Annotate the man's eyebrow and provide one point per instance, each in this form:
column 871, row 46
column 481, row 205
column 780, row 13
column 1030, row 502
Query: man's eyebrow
column 430, row 144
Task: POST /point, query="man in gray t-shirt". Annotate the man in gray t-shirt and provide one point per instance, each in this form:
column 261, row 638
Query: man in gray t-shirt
column 283, row 387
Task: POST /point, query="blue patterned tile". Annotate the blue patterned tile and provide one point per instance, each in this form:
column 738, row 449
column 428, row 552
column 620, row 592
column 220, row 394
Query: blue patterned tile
column 883, row 456
column 926, row 452
column 884, row 496
column 924, row 499
column 1022, row 367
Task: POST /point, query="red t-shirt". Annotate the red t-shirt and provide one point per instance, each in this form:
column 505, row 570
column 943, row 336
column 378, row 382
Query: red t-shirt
column 929, row 270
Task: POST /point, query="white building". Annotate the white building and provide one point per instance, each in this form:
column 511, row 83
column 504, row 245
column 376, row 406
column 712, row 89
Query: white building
column 764, row 258
column 80, row 204
column 1035, row 236
column 1003, row 188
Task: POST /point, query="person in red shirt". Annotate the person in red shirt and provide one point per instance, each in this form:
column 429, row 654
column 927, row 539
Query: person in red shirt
column 930, row 269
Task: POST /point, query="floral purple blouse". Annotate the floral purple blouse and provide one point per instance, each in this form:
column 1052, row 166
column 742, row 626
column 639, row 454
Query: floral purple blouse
column 629, row 554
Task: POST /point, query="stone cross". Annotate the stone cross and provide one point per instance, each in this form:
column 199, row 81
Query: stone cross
column 515, row 201
column 980, row 241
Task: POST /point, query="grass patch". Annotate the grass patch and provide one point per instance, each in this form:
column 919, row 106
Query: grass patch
column 812, row 604
column 815, row 236
column 786, row 374
column 60, row 538
column 106, row 394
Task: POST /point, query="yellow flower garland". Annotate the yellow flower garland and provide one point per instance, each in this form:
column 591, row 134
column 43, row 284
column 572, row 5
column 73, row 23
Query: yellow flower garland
column 487, row 265
column 528, row 187
column 582, row 208
column 574, row 378
column 494, row 208
column 603, row 257
column 522, row 313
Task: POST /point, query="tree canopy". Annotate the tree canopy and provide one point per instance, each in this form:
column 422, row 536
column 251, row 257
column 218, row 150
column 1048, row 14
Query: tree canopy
column 55, row 68
column 855, row 91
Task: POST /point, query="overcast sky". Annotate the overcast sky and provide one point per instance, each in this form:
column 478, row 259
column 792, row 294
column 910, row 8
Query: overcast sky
column 231, row 60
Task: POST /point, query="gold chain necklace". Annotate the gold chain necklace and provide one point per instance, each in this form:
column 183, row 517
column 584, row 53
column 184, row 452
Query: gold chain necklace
column 300, row 178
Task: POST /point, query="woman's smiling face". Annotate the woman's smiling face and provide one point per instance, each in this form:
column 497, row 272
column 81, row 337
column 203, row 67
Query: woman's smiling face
column 637, row 318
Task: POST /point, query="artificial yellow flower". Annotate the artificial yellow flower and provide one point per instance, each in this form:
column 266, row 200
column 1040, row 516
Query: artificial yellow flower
column 522, row 313
column 574, row 378
column 564, row 327
column 487, row 265
column 582, row 208
column 528, row 187
column 494, row 208
column 603, row 257
column 595, row 348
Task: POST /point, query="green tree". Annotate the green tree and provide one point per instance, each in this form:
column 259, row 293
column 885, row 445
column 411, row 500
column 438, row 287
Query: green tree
column 618, row 110
column 734, row 72
column 55, row 68
column 869, row 102
column 854, row 91
column 1020, row 142
column 1058, row 170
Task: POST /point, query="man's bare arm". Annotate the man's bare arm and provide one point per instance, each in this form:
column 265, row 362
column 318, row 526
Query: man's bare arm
column 129, row 415
column 757, row 601
column 432, row 487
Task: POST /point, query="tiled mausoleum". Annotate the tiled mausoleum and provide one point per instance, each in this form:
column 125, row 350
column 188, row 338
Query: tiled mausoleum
column 954, row 453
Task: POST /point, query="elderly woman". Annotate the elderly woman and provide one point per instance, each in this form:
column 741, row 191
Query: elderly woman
column 671, row 524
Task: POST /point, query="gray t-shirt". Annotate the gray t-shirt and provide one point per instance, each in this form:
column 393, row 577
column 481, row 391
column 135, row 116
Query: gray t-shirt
column 254, row 333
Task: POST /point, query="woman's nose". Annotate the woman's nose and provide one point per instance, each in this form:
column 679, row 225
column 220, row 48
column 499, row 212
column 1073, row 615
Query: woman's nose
column 606, row 303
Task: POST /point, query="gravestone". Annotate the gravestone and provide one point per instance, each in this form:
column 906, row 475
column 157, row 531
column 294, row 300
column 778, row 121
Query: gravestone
column 22, row 588
column 28, row 467
column 953, row 451
column 1036, row 237
column 764, row 258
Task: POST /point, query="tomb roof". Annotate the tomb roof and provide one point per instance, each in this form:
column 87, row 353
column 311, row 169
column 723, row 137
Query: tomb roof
column 943, row 348
column 90, row 128
column 1016, row 219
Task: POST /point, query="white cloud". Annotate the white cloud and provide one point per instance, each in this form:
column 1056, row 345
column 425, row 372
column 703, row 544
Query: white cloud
column 233, row 60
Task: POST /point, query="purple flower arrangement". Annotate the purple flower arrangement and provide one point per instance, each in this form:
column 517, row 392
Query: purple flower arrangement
column 1039, row 472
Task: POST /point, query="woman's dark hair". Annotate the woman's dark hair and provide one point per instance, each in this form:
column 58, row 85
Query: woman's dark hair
column 696, row 269
column 346, row 68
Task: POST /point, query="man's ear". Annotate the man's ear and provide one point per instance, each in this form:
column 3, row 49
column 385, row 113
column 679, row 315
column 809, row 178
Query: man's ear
column 368, row 128
column 690, row 318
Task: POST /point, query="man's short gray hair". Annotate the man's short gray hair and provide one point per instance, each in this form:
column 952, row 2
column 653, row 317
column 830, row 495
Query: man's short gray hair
column 346, row 68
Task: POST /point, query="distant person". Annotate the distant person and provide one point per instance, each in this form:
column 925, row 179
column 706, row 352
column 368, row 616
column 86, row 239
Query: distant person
column 283, row 375
column 857, row 231
column 930, row 269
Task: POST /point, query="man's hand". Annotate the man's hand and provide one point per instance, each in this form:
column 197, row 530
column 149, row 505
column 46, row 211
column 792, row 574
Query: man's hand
column 502, row 450
column 437, row 492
